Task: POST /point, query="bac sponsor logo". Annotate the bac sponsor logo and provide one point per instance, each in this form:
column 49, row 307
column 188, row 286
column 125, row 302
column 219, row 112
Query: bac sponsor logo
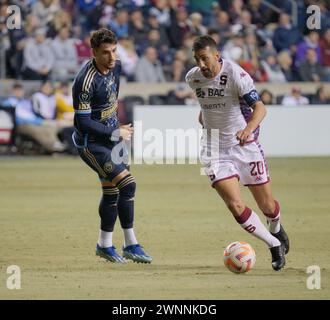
column 216, row 92
column 210, row 92
column 200, row 93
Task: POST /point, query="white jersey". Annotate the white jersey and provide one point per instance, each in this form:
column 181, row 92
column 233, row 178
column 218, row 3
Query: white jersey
column 223, row 106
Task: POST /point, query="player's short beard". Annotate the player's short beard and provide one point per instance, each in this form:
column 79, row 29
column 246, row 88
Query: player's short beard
column 208, row 73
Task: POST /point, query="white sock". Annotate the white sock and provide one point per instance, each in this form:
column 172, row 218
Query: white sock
column 250, row 222
column 129, row 237
column 274, row 219
column 274, row 224
column 105, row 239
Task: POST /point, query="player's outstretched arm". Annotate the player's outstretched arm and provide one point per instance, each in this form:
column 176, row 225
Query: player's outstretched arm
column 259, row 112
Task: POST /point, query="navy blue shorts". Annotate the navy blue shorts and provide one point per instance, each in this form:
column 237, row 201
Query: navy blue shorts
column 106, row 159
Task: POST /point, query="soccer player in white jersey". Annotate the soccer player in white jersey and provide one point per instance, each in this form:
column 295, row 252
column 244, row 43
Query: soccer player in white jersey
column 231, row 111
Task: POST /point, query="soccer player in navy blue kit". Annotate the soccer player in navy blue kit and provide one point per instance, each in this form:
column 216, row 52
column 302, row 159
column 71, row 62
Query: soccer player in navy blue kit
column 100, row 142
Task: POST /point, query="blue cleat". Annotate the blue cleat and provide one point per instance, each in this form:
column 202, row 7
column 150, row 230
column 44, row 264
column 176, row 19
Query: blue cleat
column 136, row 253
column 109, row 254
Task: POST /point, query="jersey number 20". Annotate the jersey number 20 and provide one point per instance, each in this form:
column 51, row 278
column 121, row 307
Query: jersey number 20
column 257, row 168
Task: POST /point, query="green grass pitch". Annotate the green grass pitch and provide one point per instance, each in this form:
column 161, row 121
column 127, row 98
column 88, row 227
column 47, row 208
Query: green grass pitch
column 49, row 227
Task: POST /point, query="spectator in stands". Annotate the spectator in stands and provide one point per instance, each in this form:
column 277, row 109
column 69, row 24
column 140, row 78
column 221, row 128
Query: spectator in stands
column 161, row 11
column 65, row 54
column 223, row 27
column 273, row 69
column 286, row 64
column 32, row 23
column 128, row 57
column 154, row 24
column 64, row 116
column 213, row 23
column 179, row 27
column 295, row 98
column 324, row 7
column 259, row 13
column 103, row 14
column 120, row 24
column 266, row 97
column 43, row 102
column 187, row 45
column 86, row 6
column 235, row 10
column 44, row 106
column 285, row 35
column 205, row 7
column 137, row 27
column 64, row 103
column 310, row 69
column 83, row 48
column 178, row 67
column 154, row 41
column 244, row 23
column 38, row 57
column 28, row 123
column 45, row 10
column 195, row 24
column 61, row 20
column 322, row 96
column 17, row 38
column 216, row 37
column 310, row 41
column 233, row 49
column 149, row 68
column 250, row 49
column 325, row 54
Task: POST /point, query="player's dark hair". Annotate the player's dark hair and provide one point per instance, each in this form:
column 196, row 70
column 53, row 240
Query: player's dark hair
column 102, row 35
column 204, row 41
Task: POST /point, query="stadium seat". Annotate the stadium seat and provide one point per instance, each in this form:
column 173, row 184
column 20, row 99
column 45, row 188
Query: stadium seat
column 279, row 99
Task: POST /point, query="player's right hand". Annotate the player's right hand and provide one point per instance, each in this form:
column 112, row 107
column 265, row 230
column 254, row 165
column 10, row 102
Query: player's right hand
column 126, row 131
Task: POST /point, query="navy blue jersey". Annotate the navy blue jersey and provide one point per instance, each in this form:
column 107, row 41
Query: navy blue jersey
column 95, row 101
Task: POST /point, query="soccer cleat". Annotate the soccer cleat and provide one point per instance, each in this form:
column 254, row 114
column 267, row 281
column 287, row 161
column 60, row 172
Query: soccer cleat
column 278, row 258
column 109, row 254
column 284, row 239
column 136, row 253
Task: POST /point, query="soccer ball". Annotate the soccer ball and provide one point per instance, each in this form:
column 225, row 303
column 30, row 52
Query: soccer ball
column 239, row 257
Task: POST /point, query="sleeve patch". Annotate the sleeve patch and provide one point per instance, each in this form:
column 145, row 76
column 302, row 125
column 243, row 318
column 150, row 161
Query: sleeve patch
column 84, row 97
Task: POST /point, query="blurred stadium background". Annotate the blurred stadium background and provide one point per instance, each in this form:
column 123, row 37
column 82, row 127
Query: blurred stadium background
column 48, row 198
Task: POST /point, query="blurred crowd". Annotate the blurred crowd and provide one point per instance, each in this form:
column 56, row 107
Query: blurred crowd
column 156, row 36
column 45, row 117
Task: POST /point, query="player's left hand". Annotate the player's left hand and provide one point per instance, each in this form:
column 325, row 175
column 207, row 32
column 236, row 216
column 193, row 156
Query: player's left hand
column 243, row 135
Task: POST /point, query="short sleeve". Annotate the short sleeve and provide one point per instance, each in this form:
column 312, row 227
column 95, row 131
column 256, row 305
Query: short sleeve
column 191, row 78
column 245, row 86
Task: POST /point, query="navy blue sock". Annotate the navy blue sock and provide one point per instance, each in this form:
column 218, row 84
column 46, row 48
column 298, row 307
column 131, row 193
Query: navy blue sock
column 126, row 188
column 108, row 209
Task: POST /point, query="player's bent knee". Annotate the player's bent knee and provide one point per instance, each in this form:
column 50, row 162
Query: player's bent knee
column 235, row 206
column 127, row 187
column 267, row 205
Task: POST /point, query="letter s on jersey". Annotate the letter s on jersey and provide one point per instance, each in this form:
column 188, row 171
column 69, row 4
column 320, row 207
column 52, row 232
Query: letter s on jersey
column 223, row 79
